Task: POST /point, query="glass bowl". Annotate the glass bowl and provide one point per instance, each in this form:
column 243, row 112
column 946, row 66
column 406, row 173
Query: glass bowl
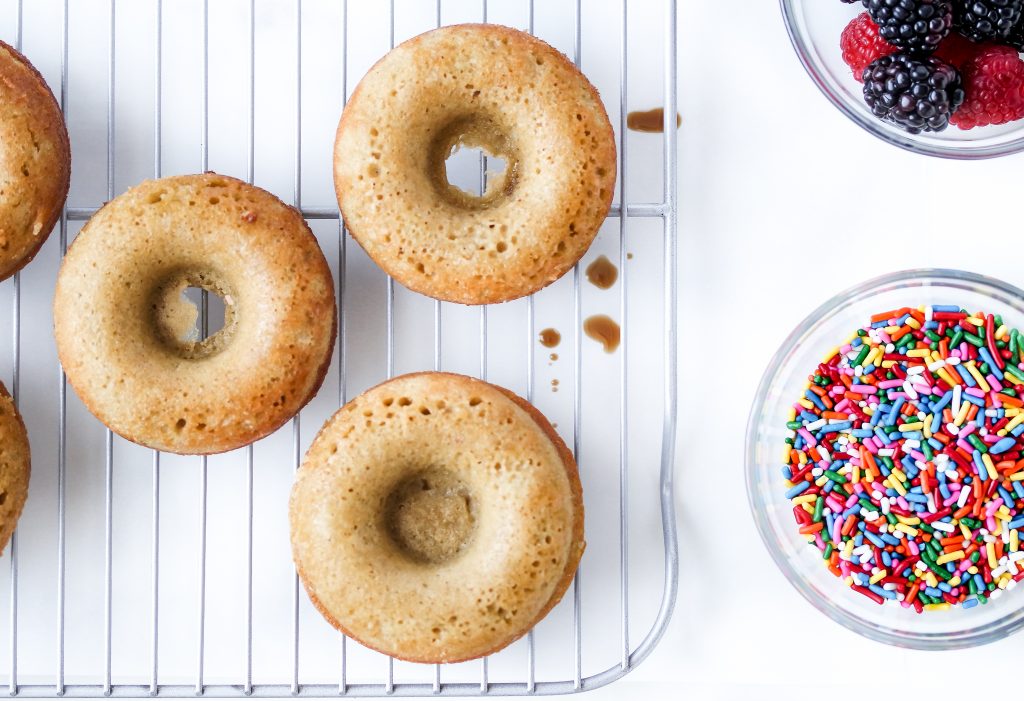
column 784, row 381
column 815, row 27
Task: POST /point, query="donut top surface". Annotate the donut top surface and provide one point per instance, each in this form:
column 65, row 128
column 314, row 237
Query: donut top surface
column 436, row 518
column 511, row 95
column 121, row 321
column 14, row 466
column 35, row 161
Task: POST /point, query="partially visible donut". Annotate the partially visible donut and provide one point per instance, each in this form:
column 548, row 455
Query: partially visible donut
column 436, row 518
column 35, row 161
column 513, row 96
column 121, row 321
column 14, row 466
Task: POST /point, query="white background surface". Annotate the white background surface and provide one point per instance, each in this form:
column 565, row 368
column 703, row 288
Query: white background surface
column 783, row 204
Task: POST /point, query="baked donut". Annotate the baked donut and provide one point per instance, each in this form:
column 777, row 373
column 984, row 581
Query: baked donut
column 514, row 97
column 122, row 324
column 436, row 518
column 35, row 161
column 14, row 466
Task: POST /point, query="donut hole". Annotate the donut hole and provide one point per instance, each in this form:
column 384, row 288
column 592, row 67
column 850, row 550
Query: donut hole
column 193, row 314
column 473, row 163
column 201, row 329
column 471, row 169
column 430, row 516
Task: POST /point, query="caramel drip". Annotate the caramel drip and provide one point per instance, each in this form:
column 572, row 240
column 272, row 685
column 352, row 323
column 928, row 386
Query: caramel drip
column 602, row 273
column 651, row 121
column 550, row 338
column 604, row 330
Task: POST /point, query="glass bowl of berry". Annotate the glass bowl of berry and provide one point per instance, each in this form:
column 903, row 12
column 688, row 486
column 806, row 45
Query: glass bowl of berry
column 939, row 77
column 885, row 459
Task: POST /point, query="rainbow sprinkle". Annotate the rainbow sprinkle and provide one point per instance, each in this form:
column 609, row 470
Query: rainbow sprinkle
column 904, row 458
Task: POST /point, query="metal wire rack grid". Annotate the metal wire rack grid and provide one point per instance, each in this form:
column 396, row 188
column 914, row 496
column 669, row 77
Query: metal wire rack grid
column 666, row 211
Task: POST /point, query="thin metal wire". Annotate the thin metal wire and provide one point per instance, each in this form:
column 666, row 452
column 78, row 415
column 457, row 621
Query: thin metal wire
column 635, row 209
column 154, row 680
column 250, row 176
column 342, row 275
column 62, row 387
column 154, row 684
column 16, row 395
column 204, row 135
column 109, row 456
column 204, row 320
column 13, row 684
column 342, row 356
column 389, row 685
column 436, row 687
column 296, row 432
column 483, row 334
column 155, row 567
column 342, row 328
column 437, row 341
column 15, row 381
column 577, row 411
column 203, row 501
column 390, row 302
column 624, row 348
column 297, row 421
column 247, row 686
column 531, row 315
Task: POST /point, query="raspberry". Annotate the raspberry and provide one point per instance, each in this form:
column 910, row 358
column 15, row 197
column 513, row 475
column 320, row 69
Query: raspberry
column 862, row 44
column 957, row 50
column 994, row 85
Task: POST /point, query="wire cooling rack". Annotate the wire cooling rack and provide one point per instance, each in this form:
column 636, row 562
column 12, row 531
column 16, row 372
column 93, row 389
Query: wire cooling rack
column 135, row 573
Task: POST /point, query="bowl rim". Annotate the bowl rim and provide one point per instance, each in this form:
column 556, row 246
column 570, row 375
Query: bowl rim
column 982, row 635
column 905, row 141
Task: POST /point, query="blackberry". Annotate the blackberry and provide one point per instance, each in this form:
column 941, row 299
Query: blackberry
column 986, row 20
column 915, row 94
column 913, row 26
column 1016, row 37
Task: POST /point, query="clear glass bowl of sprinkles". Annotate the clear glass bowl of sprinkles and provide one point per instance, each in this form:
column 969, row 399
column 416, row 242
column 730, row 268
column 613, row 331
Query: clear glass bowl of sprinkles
column 815, row 27
column 785, row 382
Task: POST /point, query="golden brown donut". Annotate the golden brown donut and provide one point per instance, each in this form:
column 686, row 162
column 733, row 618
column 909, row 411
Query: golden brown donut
column 513, row 96
column 121, row 322
column 436, row 518
column 14, row 466
column 35, row 161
